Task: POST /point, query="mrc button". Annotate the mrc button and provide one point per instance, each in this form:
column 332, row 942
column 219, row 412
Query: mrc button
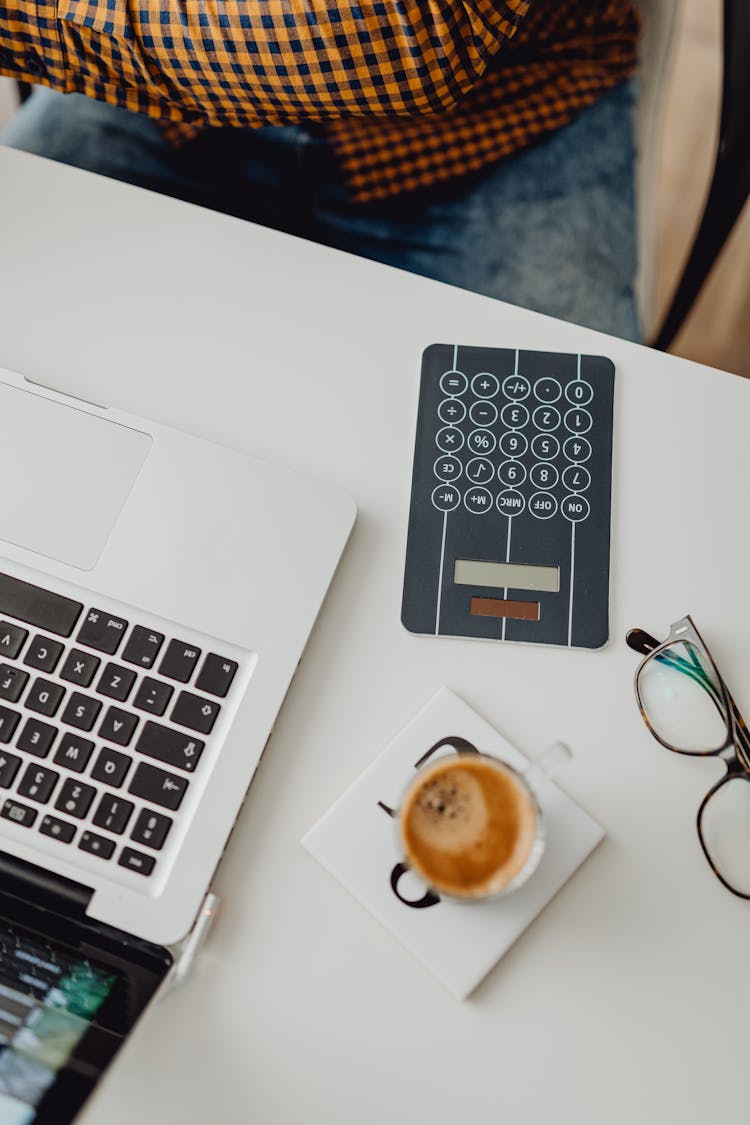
column 511, row 502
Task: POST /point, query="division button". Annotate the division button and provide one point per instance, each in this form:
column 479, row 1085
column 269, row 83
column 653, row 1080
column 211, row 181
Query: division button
column 579, row 392
column 543, row 476
column 516, row 387
column 547, row 390
column 575, row 508
column 485, row 385
column 542, row 505
column 576, row 478
column 481, row 441
column 136, row 861
column 546, row 418
column 545, row 447
column 142, row 647
column 479, row 470
column 102, row 631
column 478, row 501
column 451, row 411
column 513, row 445
column 578, row 420
column 483, row 413
column 449, row 439
column 514, row 415
column 216, row 675
column 445, row 497
column 453, row 383
column 511, row 473
column 511, row 502
column 447, row 468
column 577, row 449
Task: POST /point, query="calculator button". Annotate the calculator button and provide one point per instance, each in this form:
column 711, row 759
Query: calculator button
column 545, row 447
column 481, row 441
column 451, row 411
column 449, row 439
column 577, row 449
column 79, row 667
column 511, row 473
column 516, row 387
column 12, row 683
column 547, row 390
column 43, row 654
column 479, row 470
column 478, row 501
column 579, row 392
column 510, row 502
column 483, row 413
column 447, row 468
column 542, row 505
column 546, row 418
column 445, row 497
column 485, row 385
column 576, row 478
column 575, row 508
column 453, row 383
column 578, row 420
column 513, row 445
column 514, row 415
column 543, row 476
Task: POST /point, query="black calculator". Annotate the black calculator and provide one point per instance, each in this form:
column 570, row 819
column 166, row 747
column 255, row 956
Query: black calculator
column 509, row 526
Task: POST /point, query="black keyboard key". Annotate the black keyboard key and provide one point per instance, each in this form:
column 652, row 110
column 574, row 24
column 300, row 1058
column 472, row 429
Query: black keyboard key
column 196, row 713
column 160, row 788
column 9, row 720
column 36, row 737
column 18, row 813
column 151, row 829
column 12, row 639
column 81, row 711
column 79, row 667
column 136, row 861
column 74, row 752
column 75, row 798
column 12, row 682
column 169, row 746
column 116, row 682
column 102, row 631
column 38, row 783
column 43, row 654
column 113, row 813
column 111, row 766
column 216, row 675
column 179, row 661
column 57, row 829
column 44, row 696
column 96, row 845
column 143, row 647
column 118, row 726
column 153, row 696
column 37, row 606
column 9, row 764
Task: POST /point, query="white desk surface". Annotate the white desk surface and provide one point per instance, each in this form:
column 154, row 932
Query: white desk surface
column 627, row 1000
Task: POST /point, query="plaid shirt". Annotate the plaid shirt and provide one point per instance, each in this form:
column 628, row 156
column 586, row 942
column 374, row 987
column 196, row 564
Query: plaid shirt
column 411, row 92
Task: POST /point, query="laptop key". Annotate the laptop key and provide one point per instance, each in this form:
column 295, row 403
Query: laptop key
column 143, row 647
column 151, row 829
column 74, row 752
column 113, row 813
column 43, row 654
column 153, row 696
column 170, row 746
column 9, row 720
column 152, row 784
column 216, row 675
column 192, row 711
column 179, row 661
column 18, row 813
column 136, row 861
column 38, row 783
column 12, row 682
column 102, row 631
column 116, row 682
column 57, row 829
column 9, row 764
column 79, row 667
column 118, row 726
column 81, row 711
column 96, row 845
column 75, row 798
column 111, row 766
column 12, row 639
column 44, row 696
column 38, row 606
column 36, row 737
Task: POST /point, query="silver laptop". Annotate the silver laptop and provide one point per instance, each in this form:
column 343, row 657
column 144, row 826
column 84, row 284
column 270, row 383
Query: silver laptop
column 156, row 593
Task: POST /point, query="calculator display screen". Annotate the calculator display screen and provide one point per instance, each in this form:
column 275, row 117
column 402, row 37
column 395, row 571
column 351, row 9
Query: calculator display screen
column 504, row 575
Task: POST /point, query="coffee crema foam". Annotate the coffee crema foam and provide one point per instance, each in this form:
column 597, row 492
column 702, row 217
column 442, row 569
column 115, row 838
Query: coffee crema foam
column 468, row 826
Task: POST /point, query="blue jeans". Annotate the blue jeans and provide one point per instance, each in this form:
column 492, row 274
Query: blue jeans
column 551, row 228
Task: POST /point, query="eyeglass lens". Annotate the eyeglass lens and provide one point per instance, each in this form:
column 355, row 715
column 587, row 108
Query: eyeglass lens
column 682, row 699
column 725, row 832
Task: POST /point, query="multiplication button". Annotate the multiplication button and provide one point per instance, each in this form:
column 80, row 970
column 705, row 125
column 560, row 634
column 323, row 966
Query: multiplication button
column 579, row 392
column 483, row 413
column 510, row 502
column 478, row 501
column 451, row 411
column 514, row 415
column 511, row 473
column 578, row 420
column 453, row 383
column 481, row 441
column 515, row 387
column 576, row 479
column 485, row 385
column 479, row 470
column 449, row 439
column 547, row 390
column 545, row 447
column 447, row 468
column 575, row 508
column 445, row 497
column 543, row 476
column 513, row 445
column 546, row 418
column 542, row 505
column 577, row 449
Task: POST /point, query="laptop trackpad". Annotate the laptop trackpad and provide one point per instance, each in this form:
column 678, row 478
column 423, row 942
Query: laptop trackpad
column 64, row 476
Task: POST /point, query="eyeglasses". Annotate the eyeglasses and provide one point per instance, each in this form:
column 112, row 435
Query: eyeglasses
column 687, row 707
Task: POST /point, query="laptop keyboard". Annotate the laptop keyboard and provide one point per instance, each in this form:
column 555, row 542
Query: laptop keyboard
column 104, row 720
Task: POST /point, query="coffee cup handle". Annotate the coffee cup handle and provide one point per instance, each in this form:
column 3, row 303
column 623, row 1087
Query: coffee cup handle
column 548, row 763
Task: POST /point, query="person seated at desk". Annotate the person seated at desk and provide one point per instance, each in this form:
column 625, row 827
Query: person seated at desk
column 486, row 143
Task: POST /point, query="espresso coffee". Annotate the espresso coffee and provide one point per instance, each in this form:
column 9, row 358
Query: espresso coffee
column 468, row 825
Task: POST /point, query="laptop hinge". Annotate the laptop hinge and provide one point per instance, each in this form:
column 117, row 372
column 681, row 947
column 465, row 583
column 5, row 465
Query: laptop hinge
column 43, row 888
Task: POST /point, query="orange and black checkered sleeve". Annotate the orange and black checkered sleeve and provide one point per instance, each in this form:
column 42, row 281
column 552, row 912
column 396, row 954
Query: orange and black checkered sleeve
column 256, row 62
